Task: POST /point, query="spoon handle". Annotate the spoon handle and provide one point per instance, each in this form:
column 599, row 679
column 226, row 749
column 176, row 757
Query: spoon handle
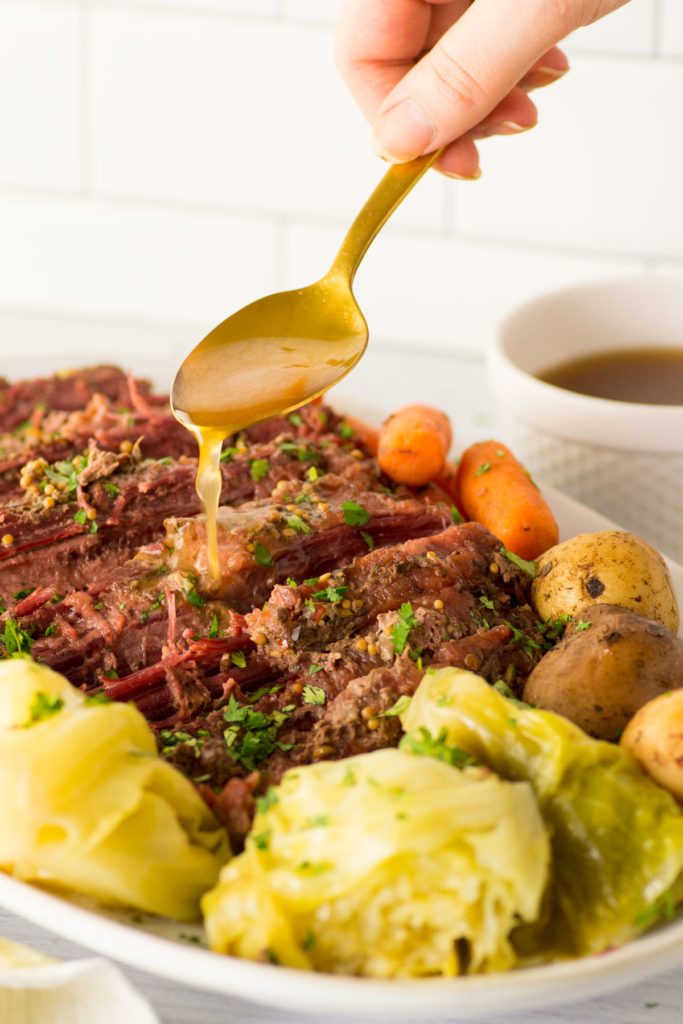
column 392, row 189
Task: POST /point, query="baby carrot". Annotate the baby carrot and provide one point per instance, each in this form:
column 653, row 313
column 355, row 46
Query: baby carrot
column 413, row 444
column 495, row 490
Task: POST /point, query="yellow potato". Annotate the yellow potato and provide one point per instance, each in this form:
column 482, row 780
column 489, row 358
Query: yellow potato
column 609, row 567
column 654, row 736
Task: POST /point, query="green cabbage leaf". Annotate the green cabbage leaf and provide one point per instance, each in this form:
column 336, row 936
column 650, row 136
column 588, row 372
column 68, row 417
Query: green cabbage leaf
column 384, row 864
column 616, row 837
column 89, row 807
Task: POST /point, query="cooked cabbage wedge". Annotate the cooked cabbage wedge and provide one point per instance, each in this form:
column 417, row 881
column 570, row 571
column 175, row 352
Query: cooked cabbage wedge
column 88, row 806
column 617, row 837
column 384, row 864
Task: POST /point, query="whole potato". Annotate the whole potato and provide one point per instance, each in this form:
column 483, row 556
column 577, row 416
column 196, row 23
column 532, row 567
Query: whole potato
column 654, row 736
column 609, row 567
column 610, row 662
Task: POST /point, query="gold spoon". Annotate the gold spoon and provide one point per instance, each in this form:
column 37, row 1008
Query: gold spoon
column 282, row 350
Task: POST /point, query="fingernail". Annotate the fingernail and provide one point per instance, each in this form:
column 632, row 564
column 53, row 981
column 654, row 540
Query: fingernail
column 485, row 131
column 511, row 127
column 540, row 77
column 474, row 176
column 403, row 132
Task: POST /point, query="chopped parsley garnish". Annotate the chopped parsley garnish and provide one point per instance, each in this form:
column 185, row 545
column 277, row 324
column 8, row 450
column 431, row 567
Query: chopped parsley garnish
column 349, row 777
column 213, row 631
column 262, row 556
column 239, row 659
column 663, row 908
column 581, row 625
column 265, row 691
column 99, row 698
column 312, row 669
column 259, row 468
column 298, row 524
column 307, row 867
column 354, row 515
column 15, row 640
column 487, row 603
column 331, row 594
column 262, row 840
column 81, row 516
column 195, row 598
column 170, row 739
column 21, row 594
column 313, row 694
column 264, row 803
column 251, row 736
column 484, row 468
column 319, row 821
column 157, row 604
column 346, row 431
column 112, row 490
column 423, row 743
column 368, row 539
column 65, row 473
column 455, row 514
column 398, row 708
column 295, row 419
column 528, row 567
column 52, row 628
column 308, row 940
column 554, row 628
column 521, row 638
column 504, row 690
column 44, row 705
column 401, row 629
column 302, row 454
column 227, row 454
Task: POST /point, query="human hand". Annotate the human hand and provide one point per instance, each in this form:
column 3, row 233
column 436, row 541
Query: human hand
column 433, row 73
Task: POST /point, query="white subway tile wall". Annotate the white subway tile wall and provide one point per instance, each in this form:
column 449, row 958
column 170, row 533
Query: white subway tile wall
column 40, row 95
column 630, row 29
column 670, row 40
column 174, row 159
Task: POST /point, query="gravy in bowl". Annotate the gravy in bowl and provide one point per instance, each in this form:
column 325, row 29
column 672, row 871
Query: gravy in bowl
column 650, row 375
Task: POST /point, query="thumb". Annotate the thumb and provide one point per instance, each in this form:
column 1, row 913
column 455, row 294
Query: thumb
column 466, row 74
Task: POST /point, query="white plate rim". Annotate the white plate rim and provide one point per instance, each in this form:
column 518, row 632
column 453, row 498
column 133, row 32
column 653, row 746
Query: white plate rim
column 472, row 997
column 155, row 947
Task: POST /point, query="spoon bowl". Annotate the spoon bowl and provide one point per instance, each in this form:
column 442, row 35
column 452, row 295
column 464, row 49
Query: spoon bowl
column 281, row 351
column 285, row 349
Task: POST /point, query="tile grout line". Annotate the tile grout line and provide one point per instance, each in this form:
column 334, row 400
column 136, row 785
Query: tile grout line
column 290, row 222
column 657, row 29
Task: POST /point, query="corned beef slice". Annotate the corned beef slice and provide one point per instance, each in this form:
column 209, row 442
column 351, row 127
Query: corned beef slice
column 66, row 391
column 108, row 505
column 120, row 623
column 336, row 591
column 329, row 662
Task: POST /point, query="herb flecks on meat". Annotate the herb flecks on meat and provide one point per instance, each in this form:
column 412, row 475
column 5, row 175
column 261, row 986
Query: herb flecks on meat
column 338, row 590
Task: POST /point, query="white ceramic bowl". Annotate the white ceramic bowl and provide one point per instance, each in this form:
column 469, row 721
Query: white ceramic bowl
column 624, row 459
